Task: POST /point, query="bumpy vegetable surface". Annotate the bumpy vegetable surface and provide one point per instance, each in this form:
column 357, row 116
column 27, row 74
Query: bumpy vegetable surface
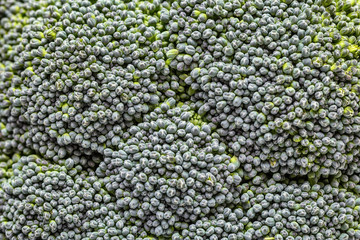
column 179, row 119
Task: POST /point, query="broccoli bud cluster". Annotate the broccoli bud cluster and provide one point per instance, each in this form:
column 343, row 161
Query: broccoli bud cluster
column 280, row 80
column 170, row 170
column 136, row 200
column 179, row 119
column 88, row 72
column 42, row 200
column 284, row 210
column 12, row 131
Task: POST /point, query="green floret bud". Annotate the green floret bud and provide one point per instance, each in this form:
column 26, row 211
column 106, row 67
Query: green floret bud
column 171, row 54
column 288, row 68
column 348, row 112
column 195, row 73
column 234, row 164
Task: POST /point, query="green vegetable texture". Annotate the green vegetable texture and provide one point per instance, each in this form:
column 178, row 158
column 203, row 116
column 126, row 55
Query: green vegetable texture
column 179, row 120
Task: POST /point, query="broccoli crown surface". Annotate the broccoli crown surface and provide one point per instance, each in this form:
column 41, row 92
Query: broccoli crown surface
column 179, row 119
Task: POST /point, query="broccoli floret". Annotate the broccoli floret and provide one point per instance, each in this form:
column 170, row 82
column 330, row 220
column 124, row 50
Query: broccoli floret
column 279, row 81
column 171, row 170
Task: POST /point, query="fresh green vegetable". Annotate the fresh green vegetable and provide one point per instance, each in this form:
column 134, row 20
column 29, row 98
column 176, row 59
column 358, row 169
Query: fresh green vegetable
column 179, row 119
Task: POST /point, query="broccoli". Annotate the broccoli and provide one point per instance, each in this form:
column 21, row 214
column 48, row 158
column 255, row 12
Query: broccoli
column 179, row 119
